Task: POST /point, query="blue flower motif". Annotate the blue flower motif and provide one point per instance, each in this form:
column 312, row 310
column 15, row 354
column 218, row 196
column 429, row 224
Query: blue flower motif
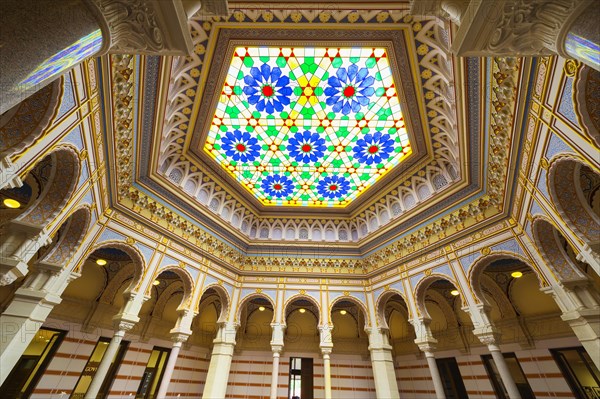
column 277, row 186
column 267, row 89
column 349, row 90
column 373, row 148
column 306, row 147
column 240, row 146
column 333, row 186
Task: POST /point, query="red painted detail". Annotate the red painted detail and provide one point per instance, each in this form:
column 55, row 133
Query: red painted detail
column 240, row 147
column 306, row 148
column 333, row 187
column 348, row 91
column 267, row 91
column 373, row 149
column 277, row 186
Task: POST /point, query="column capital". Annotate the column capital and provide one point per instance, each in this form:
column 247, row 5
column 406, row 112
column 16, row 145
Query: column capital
column 123, row 322
column 277, row 335
column 488, row 335
column 143, row 26
column 426, row 345
column 179, row 337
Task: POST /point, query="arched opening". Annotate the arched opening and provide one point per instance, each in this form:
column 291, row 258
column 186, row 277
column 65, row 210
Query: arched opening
column 575, row 190
column 394, row 315
column 27, row 211
column 21, row 125
column 212, row 309
column 302, row 321
column 255, row 316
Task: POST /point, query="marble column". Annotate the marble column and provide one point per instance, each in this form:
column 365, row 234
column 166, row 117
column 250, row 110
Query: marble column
column 489, row 337
column 28, row 310
column 276, row 348
column 220, row 361
column 41, row 48
column 428, row 349
column 427, row 344
column 326, row 346
column 17, row 247
column 178, row 340
column 517, row 28
column 382, row 362
column 121, row 327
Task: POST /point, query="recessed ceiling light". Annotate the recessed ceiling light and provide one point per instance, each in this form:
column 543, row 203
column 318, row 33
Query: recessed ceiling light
column 516, row 274
column 261, row 308
column 156, row 282
column 11, row 203
column 343, row 311
column 301, row 310
column 455, row 292
column 100, row 262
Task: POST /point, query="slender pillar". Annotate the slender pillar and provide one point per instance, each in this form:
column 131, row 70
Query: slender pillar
column 275, row 373
column 220, row 362
column 178, row 340
column 326, row 346
column 382, row 362
column 427, row 344
column 433, row 369
column 122, row 326
column 276, row 347
column 490, row 338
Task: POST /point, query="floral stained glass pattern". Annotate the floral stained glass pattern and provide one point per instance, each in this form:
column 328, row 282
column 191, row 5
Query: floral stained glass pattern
column 307, row 126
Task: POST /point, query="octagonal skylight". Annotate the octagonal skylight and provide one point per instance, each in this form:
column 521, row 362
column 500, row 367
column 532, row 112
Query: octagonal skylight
column 308, row 126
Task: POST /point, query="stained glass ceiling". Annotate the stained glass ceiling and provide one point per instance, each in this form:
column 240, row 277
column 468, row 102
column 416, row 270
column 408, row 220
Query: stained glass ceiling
column 308, row 126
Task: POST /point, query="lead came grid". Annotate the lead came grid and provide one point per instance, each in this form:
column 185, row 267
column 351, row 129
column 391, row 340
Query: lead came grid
column 310, row 126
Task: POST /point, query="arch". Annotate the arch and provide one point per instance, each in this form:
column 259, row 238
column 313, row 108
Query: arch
column 58, row 190
column 545, row 236
column 382, row 301
column 564, row 188
column 134, row 254
column 478, row 267
column 421, row 289
column 223, row 297
column 248, row 298
column 112, row 287
column 357, row 302
column 163, row 298
column 586, row 102
column 186, row 280
column 500, row 297
column 23, row 124
column 71, row 234
column 308, row 298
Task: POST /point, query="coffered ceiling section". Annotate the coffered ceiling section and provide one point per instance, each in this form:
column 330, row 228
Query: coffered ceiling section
column 308, row 126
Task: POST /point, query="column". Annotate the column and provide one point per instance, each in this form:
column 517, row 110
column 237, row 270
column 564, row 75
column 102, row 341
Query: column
column 384, row 374
column 121, row 327
column 276, row 347
column 520, row 28
column 326, row 346
column 178, row 340
column 18, row 247
column 488, row 336
column 27, row 312
column 220, row 361
column 428, row 348
column 41, row 49
column 427, row 345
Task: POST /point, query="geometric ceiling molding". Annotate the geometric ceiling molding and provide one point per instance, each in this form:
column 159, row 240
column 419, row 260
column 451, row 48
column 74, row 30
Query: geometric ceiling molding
column 420, row 187
column 217, row 241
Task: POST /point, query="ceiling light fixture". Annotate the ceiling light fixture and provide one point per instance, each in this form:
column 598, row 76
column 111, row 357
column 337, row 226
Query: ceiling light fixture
column 156, row 282
column 11, row 203
column 101, row 262
column 455, row 292
column 261, row 308
column 301, row 310
column 516, row 274
column 342, row 312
